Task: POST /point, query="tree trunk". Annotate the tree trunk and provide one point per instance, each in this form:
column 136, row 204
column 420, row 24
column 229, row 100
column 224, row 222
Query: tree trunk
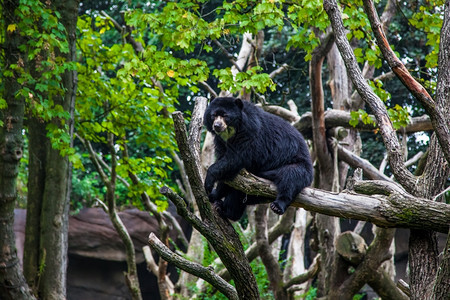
column 327, row 227
column 46, row 241
column 12, row 281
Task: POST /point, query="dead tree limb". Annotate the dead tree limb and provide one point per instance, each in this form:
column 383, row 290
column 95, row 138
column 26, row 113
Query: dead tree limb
column 357, row 162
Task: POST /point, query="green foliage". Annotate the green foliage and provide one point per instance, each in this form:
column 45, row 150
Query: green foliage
column 303, row 16
column 358, row 296
column 311, row 294
column 39, row 72
column 399, row 116
column 248, row 79
column 429, row 19
column 377, row 87
column 362, row 115
column 117, row 95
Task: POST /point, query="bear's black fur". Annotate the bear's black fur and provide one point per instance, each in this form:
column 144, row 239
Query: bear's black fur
column 247, row 137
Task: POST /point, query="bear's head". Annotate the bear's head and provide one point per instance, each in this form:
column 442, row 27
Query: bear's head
column 223, row 116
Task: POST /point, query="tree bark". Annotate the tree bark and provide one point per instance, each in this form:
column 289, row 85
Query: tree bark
column 265, row 252
column 442, row 283
column 327, row 227
column 12, row 282
column 49, row 184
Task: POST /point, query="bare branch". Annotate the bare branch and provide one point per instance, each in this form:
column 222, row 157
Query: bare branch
column 228, row 55
column 359, row 227
column 183, row 210
column 357, row 162
column 192, row 267
column 265, row 253
column 278, row 71
column 310, row 273
column 151, row 264
column 414, row 159
column 207, row 87
column 282, row 112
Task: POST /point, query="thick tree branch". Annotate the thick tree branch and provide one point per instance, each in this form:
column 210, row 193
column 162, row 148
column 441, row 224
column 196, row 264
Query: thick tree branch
column 395, row 210
column 441, row 287
column 438, row 119
column 192, row 267
column 335, row 118
column 283, row 226
column 283, row 113
column 192, row 165
column 265, row 252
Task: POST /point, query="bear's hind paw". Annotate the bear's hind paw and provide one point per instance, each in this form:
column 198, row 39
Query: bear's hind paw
column 276, row 208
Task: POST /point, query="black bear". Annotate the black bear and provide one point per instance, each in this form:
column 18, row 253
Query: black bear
column 247, row 137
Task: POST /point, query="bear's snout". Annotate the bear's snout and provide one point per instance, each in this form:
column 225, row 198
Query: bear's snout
column 219, row 125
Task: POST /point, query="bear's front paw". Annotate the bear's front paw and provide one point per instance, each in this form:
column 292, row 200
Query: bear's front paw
column 213, row 196
column 209, row 185
column 277, row 208
column 218, row 207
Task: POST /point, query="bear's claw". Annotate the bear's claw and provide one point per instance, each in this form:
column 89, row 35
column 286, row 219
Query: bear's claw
column 276, row 208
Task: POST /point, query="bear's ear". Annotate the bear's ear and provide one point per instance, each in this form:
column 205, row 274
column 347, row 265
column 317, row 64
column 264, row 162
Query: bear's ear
column 239, row 103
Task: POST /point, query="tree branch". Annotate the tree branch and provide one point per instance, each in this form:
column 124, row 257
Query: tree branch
column 395, row 210
column 310, row 273
column 368, row 270
column 192, row 165
column 265, row 252
column 278, row 71
column 357, row 162
column 282, row 112
column 152, row 267
column 335, row 118
column 192, row 267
